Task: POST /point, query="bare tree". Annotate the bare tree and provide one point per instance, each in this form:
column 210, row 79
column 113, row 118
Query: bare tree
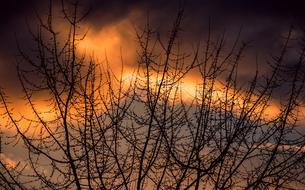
column 104, row 131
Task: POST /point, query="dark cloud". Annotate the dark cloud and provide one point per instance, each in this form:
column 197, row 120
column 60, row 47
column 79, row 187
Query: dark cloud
column 272, row 8
column 267, row 16
column 12, row 9
column 107, row 12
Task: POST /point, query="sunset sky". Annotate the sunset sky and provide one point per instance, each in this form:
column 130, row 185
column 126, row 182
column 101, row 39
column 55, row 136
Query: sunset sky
column 111, row 26
column 111, row 30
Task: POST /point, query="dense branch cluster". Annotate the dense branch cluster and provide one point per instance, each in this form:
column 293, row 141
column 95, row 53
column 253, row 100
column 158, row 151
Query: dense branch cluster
column 148, row 130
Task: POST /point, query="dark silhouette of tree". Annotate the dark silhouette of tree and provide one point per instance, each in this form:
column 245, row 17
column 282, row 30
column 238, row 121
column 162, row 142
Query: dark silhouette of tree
column 104, row 131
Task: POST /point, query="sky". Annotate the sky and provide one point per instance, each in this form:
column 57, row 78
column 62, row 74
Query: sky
column 111, row 23
column 263, row 23
column 111, row 29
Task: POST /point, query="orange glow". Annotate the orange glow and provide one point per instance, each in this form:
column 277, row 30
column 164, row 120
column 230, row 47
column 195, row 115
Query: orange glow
column 9, row 163
column 113, row 44
column 190, row 86
column 26, row 118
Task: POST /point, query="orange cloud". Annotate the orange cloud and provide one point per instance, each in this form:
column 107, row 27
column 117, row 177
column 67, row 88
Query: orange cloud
column 189, row 89
column 9, row 162
column 114, row 44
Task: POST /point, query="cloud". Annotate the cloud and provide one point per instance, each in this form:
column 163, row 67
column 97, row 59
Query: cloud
column 264, row 25
column 7, row 161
